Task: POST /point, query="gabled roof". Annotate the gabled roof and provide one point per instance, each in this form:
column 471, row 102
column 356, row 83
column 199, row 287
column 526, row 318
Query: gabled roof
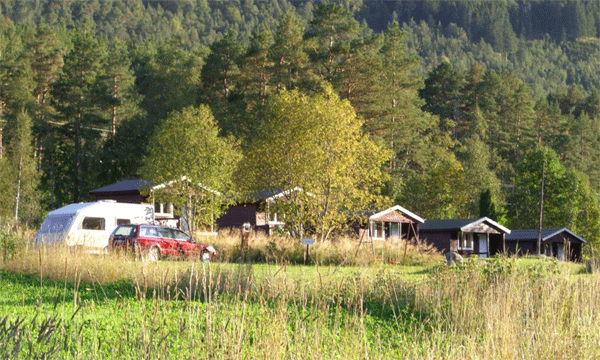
column 132, row 185
column 460, row 224
column 532, row 234
column 183, row 178
column 284, row 194
column 400, row 209
column 271, row 195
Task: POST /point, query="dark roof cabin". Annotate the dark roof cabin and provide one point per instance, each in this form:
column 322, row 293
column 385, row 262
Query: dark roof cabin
column 394, row 223
column 126, row 191
column 482, row 237
column 258, row 211
column 561, row 243
column 130, row 191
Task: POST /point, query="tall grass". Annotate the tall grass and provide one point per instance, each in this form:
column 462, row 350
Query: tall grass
column 112, row 307
column 339, row 251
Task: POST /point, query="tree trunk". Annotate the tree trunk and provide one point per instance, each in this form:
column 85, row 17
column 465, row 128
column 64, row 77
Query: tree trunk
column 76, row 159
column 18, row 197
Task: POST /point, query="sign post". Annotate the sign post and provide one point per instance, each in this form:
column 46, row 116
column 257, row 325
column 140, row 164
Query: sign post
column 246, row 228
column 308, row 242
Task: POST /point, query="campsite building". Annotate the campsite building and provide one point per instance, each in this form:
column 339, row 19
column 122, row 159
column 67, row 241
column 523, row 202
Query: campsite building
column 259, row 211
column 561, row 243
column 394, row 223
column 482, row 237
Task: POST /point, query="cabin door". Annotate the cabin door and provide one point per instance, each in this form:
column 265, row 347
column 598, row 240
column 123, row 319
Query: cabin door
column 483, row 250
column 560, row 251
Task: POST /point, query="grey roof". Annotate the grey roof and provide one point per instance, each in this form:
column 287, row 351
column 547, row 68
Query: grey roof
column 124, row 186
column 532, row 234
column 459, row 224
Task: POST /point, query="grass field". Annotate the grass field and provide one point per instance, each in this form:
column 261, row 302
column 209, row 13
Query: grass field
column 59, row 304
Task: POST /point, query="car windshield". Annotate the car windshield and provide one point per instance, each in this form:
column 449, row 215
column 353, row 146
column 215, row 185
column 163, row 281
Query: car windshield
column 56, row 223
column 125, row 230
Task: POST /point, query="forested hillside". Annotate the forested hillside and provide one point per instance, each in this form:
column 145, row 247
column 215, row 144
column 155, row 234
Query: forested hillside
column 449, row 108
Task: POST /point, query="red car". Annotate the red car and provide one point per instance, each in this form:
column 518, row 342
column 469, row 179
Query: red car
column 150, row 242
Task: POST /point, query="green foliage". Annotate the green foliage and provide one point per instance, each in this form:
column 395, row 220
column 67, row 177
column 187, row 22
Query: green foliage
column 9, row 243
column 22, row 196
column 194, row 162
column 315, row 143
column 97, row 79
column 568, row 200
column 488, row 207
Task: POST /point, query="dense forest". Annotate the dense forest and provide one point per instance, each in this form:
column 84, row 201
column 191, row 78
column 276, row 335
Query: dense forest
column 453, row 109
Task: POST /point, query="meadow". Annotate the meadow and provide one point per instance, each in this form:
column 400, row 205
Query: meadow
column 351, row 302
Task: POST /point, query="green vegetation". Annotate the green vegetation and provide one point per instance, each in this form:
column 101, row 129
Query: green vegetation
column 428, row 104
column 69, row 305
column 187, row 153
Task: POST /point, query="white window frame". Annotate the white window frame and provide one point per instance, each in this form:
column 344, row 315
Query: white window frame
column 466, row 239
column 378, row 230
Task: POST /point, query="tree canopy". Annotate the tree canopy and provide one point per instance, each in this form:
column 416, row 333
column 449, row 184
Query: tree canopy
column 195, row 164
column 316, row 143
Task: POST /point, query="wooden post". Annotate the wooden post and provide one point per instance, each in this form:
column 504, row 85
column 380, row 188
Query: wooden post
column 308, row 242
column 245, row 236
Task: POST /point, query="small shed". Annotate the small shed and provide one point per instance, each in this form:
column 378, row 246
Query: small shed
column 482, row 237
column 394, row 223
column 560, row 243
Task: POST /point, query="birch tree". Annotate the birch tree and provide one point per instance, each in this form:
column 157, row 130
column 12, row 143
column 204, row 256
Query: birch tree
column 187, row 153
column 316, row 143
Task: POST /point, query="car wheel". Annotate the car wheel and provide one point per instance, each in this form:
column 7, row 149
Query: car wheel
column 205, row 256
column 153, row 254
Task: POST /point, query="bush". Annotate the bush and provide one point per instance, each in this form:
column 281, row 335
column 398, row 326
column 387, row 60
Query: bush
column 13, row 239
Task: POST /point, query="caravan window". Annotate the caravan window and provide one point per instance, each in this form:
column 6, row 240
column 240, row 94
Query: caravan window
column 93, row 223
column 56, row 223
column 123, row 222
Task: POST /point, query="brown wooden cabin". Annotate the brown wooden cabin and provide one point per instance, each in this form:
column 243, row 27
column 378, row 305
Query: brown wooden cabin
column 126, row 191
column 258, row 210
column 560, row 243
column 482, row 237
column 394, row 223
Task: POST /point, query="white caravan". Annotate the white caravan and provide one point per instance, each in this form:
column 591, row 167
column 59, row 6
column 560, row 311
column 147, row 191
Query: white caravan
column 89, row 225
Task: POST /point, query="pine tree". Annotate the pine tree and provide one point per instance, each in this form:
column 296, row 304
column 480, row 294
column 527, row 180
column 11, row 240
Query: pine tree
column 287, row 54
column 76, row 101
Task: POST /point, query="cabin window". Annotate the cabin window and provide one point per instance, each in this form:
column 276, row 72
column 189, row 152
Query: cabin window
column 377, row 230
column 123, row 221
column 466, row 243
column 272, row 217
column 93, row 223
column 159, row 208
